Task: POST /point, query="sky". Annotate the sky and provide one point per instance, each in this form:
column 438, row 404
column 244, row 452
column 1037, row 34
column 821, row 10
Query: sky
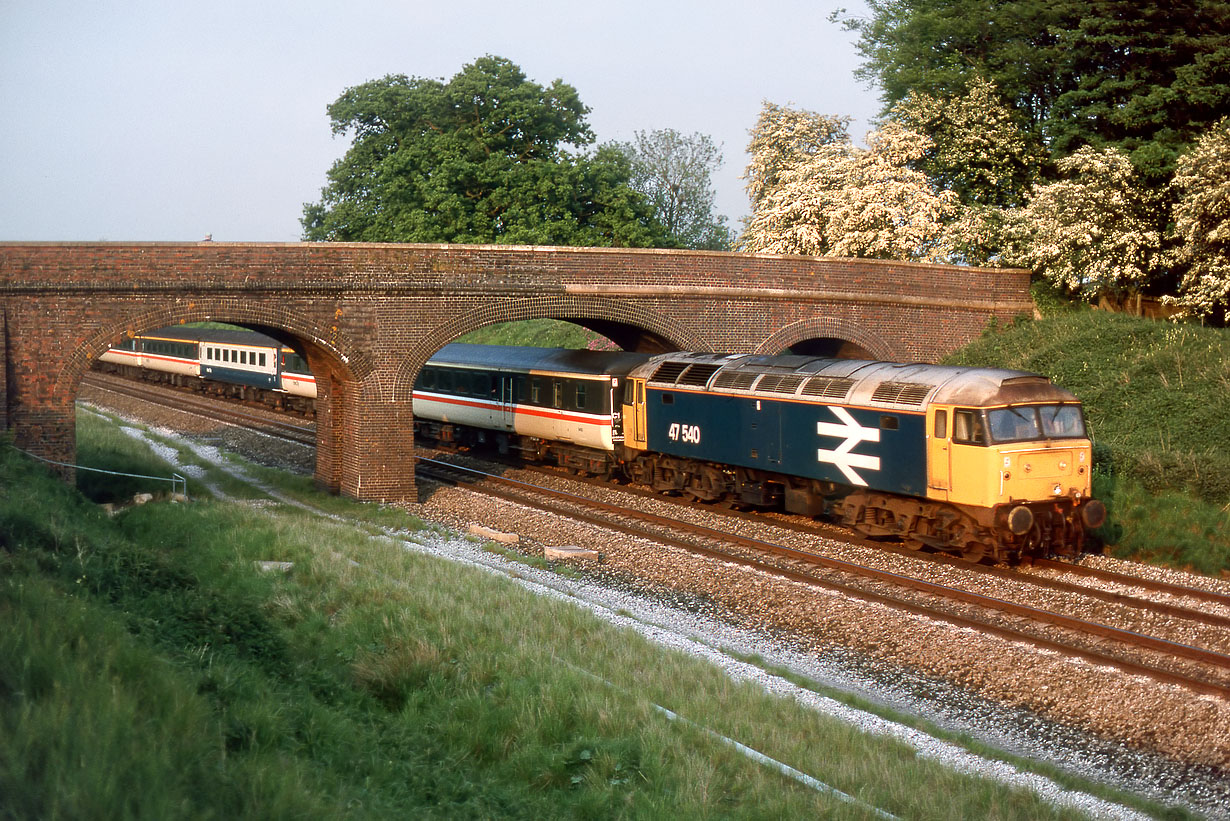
column 170, row 120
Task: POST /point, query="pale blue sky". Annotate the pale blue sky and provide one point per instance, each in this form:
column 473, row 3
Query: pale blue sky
column 170, row 119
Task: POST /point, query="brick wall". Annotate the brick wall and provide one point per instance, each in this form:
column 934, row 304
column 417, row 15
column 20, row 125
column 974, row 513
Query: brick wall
column 368, row 316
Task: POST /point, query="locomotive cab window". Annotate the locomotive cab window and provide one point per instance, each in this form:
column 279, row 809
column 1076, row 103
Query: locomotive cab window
column 1034, row 422
column 941, row 425
column 967, row 427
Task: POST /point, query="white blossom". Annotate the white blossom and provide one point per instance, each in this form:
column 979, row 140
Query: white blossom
column 813, row 192
column 1090, row 231
column 1202, row 222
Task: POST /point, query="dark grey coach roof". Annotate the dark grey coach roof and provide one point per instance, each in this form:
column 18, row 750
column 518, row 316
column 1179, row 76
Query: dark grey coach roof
column 551, row 360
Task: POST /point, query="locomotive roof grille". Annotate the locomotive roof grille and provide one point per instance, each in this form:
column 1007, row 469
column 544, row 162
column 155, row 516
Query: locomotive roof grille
column 779, row 383
column 698, row 374
column 735, row 380
column 669, row 372
column 901, row 393
column 826, row 387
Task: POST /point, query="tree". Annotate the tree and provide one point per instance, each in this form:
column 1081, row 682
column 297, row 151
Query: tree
column 980, row 150
column 1145, row 76
column 785, row 138
column 814, row 192
column 934, row 47
column 673, row 171
column 1090, row 232
column 486, row 157
column 1202, row 223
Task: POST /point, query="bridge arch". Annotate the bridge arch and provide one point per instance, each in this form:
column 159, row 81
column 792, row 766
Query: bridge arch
column 335, row 366
column 828, row 336
column 631, row 327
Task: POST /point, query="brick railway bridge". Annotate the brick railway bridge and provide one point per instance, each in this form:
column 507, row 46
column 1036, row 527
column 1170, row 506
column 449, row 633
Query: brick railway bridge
column 367, row 316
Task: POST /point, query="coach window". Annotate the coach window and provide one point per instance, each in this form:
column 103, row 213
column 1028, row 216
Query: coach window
column 557, row 394
column 967, row 427
column 536, row 392
column 263, row 360
column 580, row 396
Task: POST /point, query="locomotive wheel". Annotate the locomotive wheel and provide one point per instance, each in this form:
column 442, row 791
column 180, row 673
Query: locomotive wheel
column 974, row 552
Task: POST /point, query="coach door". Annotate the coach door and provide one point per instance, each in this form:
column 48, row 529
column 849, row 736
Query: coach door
column 939, row 453
column 507, row 400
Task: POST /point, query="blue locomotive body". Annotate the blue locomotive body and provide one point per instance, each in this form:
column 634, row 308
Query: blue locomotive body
column 870, row 448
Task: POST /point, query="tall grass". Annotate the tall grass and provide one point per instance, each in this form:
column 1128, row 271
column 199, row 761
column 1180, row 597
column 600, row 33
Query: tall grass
column 148, row 669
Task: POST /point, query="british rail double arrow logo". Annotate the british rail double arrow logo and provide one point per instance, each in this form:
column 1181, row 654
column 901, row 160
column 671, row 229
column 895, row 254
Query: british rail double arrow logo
column 853, row 433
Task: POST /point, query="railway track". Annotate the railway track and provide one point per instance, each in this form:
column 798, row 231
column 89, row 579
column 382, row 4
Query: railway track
column 1202, row 670
column 218, row 410
column 811, row 527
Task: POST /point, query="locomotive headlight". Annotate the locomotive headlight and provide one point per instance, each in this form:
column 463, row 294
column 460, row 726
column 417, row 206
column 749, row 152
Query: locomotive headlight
column 1093, row 514
column 1020, row 520
column 1057, row 490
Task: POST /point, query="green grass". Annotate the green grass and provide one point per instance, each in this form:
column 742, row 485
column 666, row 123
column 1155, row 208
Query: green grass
column 1157, row 399
column 536, row 333
column 148, row 670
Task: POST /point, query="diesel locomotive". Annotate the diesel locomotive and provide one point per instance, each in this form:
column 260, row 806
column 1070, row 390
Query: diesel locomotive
column 977, row 462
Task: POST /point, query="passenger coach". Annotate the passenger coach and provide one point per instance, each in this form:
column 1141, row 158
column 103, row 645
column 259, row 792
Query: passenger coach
column 548, row 403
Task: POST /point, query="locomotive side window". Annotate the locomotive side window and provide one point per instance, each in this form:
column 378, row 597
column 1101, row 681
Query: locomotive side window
column 967, row 428
column 941, row 425
column 668, row 399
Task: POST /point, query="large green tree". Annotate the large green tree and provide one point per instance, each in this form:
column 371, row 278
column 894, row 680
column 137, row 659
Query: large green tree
column 487, row 157
column 1144, row 76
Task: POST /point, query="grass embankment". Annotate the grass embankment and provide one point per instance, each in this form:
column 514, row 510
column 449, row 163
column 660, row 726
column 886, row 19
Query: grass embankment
column 537, row 333
column 1157, row 399
column 147, row 669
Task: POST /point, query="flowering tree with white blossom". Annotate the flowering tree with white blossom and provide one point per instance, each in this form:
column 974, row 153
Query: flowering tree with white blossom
column 814, row 192
column 1091, row 232
column 1202, row 223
